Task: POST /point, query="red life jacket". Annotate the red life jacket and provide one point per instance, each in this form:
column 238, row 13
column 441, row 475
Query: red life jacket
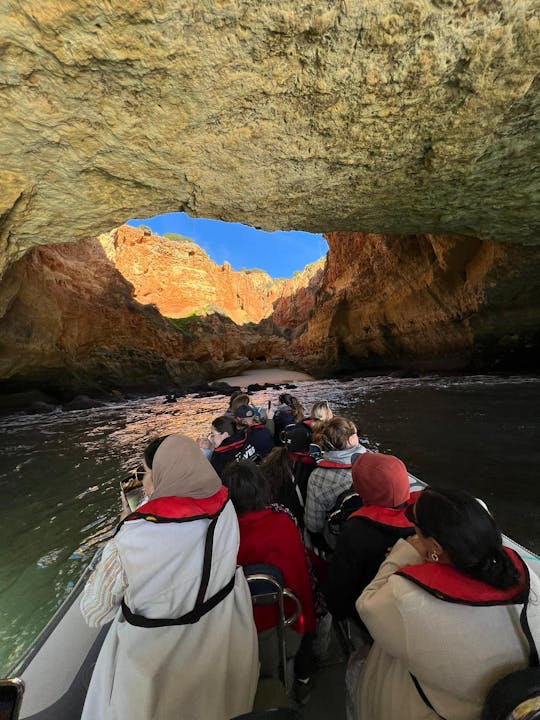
column 236, row 445
column 301, row 457
column 334, row 465
column 390, row 517
column 447, row 583
column 181, row 509
column 177, row 510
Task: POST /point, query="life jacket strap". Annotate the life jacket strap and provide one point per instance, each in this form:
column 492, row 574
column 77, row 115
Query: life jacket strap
column 202, row 606
column 189, row 618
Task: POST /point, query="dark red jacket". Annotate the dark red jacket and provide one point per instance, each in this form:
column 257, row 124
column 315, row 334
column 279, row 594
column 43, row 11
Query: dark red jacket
column 272, row 537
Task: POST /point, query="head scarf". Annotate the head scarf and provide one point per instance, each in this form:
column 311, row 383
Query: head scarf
column 181, row 469
column 381, row 480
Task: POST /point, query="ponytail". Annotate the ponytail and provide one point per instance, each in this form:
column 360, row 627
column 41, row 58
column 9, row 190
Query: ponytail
column 495, row 569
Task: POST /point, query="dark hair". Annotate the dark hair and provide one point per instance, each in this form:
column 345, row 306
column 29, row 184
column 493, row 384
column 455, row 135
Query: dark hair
column 467, row 533
column 248, row 489
column 294, row 404
column 234, row 395
column 150, row 450
column 225, row 423
column 276, row 469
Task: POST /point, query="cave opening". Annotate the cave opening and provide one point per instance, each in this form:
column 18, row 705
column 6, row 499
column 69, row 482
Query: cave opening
column 191, row 267
column 280, row 253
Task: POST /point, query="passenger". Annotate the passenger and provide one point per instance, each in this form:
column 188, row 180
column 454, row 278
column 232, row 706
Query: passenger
column 268, row 535
column 229, row 443
column 257, row 434
column 288, row 412
column 265, row 415
column 333, row 475
column 278, row 473
column 444, row 613
column 237, row 399
column 156, row 577
column 232, row 398
column 320, row 410
column 383, row 484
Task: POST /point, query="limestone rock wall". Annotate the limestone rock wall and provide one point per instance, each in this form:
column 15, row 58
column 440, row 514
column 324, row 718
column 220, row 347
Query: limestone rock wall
column 425, row 302
column 68, row 320
column 392, row 116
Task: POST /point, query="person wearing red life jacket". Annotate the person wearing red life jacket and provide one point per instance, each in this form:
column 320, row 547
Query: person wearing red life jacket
column 383, row 485
column 451, row 611
column 182, row 642
column 339, row 439
column 269, row 535
column 229, row 443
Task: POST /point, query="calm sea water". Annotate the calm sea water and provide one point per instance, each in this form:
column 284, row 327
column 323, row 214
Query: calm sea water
column 59, row 473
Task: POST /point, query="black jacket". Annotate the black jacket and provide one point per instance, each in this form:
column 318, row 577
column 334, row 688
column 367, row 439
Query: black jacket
column 235, row 447
column 361, row 548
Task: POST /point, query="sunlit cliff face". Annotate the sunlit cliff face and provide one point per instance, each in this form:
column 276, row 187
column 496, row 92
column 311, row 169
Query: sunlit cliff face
column 372, row 115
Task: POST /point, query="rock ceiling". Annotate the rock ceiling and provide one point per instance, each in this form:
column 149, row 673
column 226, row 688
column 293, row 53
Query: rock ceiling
column 377, row 115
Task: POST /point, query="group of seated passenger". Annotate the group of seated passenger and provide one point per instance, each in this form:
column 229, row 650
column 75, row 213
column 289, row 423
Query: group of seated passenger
column 444, row 608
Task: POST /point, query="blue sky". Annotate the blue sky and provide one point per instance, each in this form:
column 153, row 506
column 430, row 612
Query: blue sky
column 279, row 253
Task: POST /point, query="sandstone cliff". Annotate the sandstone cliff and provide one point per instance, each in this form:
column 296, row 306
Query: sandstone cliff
column 179, row 278
column 377, row 115
column 68, row 320
column 426, row 302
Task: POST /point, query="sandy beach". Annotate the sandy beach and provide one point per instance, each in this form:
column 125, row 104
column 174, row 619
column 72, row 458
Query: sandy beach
column 268, row 375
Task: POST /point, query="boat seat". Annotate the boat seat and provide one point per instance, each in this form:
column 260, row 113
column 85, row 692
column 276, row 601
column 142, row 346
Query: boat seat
column 516, row 697
column 266, row 586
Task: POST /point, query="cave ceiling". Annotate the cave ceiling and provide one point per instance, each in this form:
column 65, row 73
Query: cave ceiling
column 375, row 115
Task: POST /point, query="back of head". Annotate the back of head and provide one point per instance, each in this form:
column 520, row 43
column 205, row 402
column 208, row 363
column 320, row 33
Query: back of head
column 381, row 480
column 296, row 438
column 276, row 469
column 467, row 533
column 334, row 434
column 245, row 413
column 320, row 410
column 180, row 469
column 248, row 489
column 224, row 424
column 241, row 399
column 286, row 399
column 234, row 395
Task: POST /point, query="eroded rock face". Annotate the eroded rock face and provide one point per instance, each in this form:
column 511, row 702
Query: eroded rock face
column 425, row 302
column 378, row 115
column 68, row 321
column 178, row 277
